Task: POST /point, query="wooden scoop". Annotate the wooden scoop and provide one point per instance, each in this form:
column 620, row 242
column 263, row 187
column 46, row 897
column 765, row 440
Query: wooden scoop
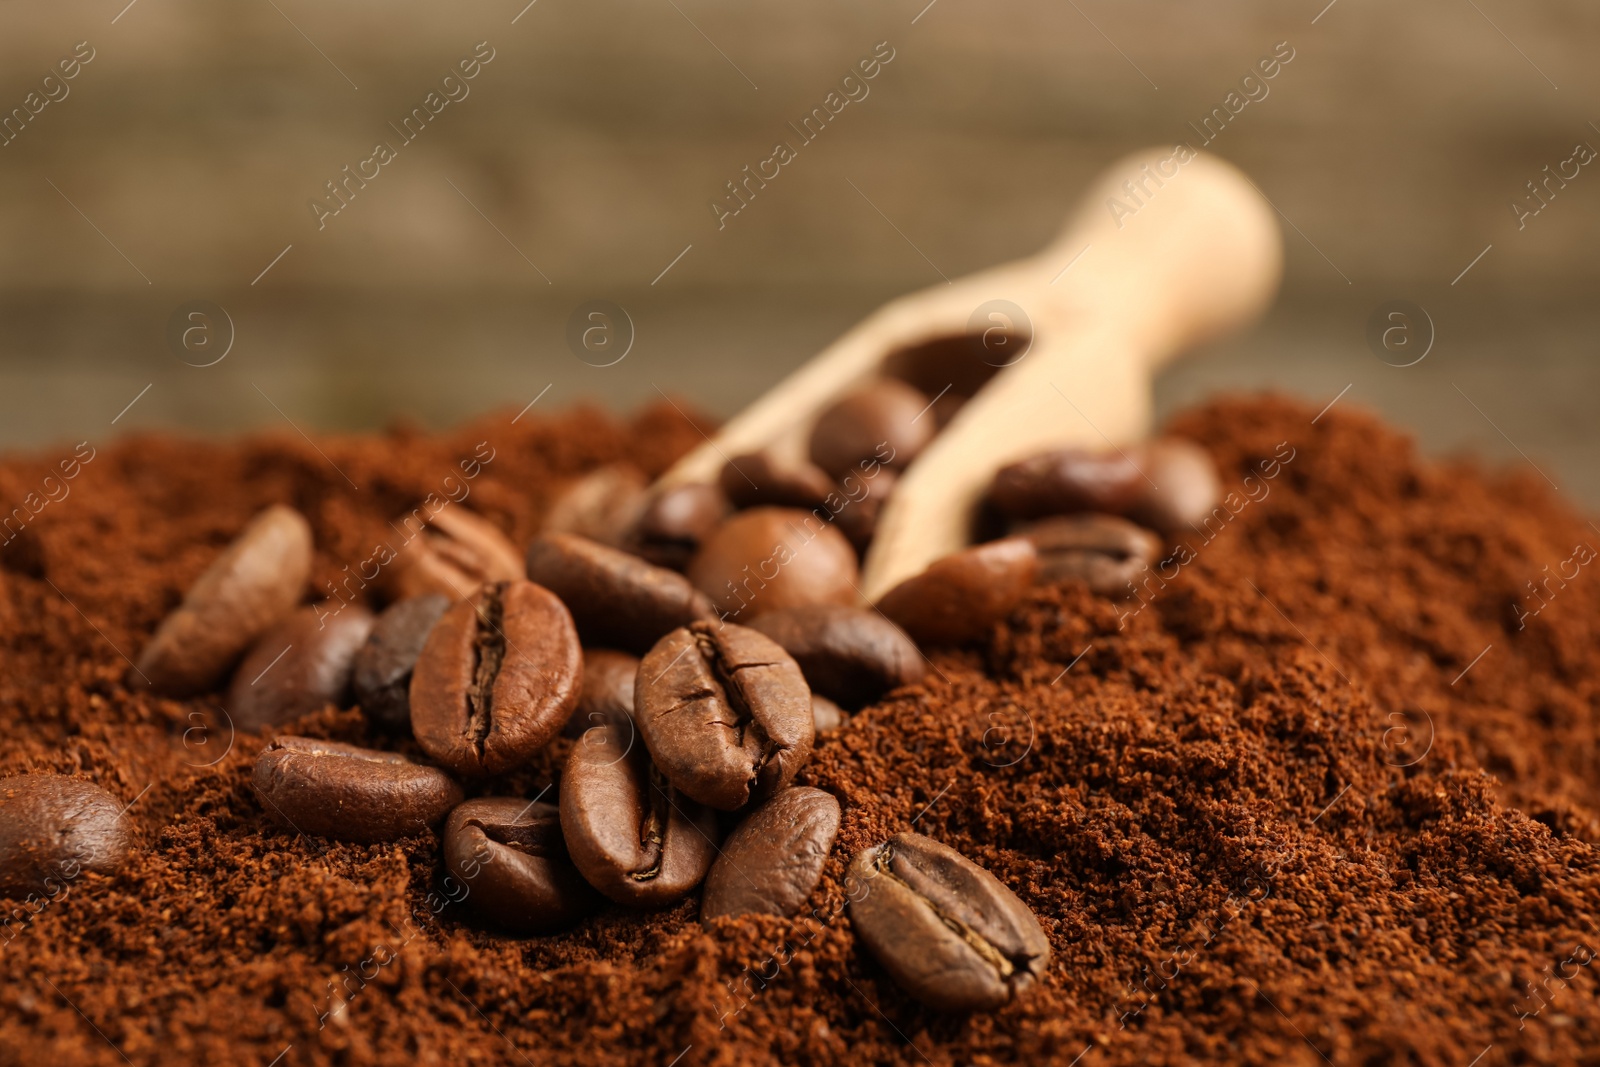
column 1191, row 252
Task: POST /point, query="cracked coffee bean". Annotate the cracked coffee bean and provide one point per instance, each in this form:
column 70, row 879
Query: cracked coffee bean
column 946, row 929
column 767, row 479
column 248, row 589
column 510, row 856
column 725, row 712
column 963, row 596
column 850, row 655
column 765, row 559
column 675, row 522
column 496, row 680
column 631, row 835
column 54, row 828
column 607, row 691
column 455, row 553
column 771, row 863
column 1103, row 551
column 884, row 419
column 381, row 676
column 299, row 666
column 617, row 600
column 330, row 789
column 1067, row 481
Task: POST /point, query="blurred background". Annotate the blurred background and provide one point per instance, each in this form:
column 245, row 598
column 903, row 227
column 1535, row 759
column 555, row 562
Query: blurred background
column 180, row 162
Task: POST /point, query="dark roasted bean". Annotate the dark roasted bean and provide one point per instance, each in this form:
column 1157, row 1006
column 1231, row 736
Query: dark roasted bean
column 767, row 479
column 510, row 857
column 298, row 666
column 961, row 597
column 497, row 679
column 602, row 505
column 864, row 498
column 633, row 836
column 826, row 715
column 1183, row 486
column 725, row 712
column 1067, row 481
column 329, row 789
column 607, row 692
column 381, row 676
column 770, row 558
column 773, row 860
column 617, row 600
column 885, row 419
column 1105, row 552
column 52, row 829
column 850, row 655
column 673, row 524
column 248, row 589
column 946, row 929
column 455, row 553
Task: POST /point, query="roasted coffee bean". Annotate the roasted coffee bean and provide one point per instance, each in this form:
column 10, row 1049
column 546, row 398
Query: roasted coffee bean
column 946, row 929
column 851, row 655
column 607, row 692
column 329, row 789
column 248, row 589
column 616, row 600
column 510, row 857
column 826, row 716
column 455, row 553
column 765, row 559
column 725, row 712
column 298, row 666
column 864, row 499
column 763, row 479
column 885, row 419
column 633, row 836
column 673, row 524
column 496, row 680
column 603, row 505
column 773, row 860
column 1067, row 481
column 381, row 677
column 52, row 829
column 1103, row 551
column 961, row 597
column 1183, row 487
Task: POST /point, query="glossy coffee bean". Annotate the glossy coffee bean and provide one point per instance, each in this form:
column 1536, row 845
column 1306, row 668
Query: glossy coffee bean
column 602, row 505
column 52, row 829
column 330, row 789
column 251, row 586
column 946, row 929
column 617, row 600
column 769, row 479
column 510, row 857
column 864, row 499
column 826, row 716
column 765, row 559
column 455, row 553
column 1186, row 486
column 885, row 419
column 771, row 863
column 963, row 596
column 381, row 676
column 674, row 522
column 496, row 680
column 1103, row 551
column 850, row 655
column 725, row 712
column 633, row 836
column 1067, row 481
column 607, row 691
column 300, row 665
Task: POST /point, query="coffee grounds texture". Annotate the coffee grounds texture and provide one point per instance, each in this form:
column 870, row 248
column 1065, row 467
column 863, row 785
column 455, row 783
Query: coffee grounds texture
column 1289, row 811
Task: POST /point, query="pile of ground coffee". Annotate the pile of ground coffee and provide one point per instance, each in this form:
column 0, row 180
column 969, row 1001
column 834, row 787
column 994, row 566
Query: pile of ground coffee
column 1325, row 791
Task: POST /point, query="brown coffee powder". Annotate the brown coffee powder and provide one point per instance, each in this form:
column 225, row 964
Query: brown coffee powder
column 1325, row 791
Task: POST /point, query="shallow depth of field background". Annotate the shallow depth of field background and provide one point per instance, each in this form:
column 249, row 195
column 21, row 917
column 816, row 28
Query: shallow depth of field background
column 184, row 156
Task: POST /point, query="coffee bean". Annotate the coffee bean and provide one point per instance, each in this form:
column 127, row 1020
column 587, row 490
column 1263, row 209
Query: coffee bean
column 771, row 863
column 1186, row 486
column 633, row 837
column 826, row 716
column 851, row 655
column 330, row 789
column 864, row 498
column 946, row 929
column 759, row 479
column 962, row 597
column 453, row 554
column 607, row 692
column 299, row 666
column 496, row 680
column 510, row 856
column 1067, row 481
column 725, row 713
column 765, row 559
column 249, row 588
column 673, row 524
column 603, row 505
column 885, row 419
column 52, row 829
column 1103, row 551
column 381, row 675
column 616, row 600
